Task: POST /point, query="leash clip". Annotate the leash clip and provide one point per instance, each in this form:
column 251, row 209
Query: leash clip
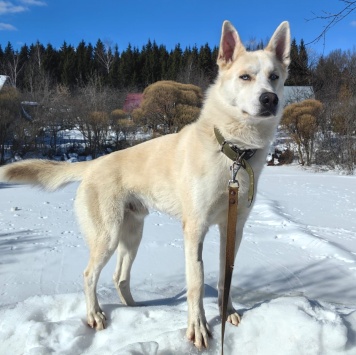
column 235, row 167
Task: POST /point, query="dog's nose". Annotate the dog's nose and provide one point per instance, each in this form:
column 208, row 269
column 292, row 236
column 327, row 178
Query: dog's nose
column 269, row 103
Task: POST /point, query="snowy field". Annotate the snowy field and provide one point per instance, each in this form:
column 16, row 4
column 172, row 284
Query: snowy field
column 294, row 280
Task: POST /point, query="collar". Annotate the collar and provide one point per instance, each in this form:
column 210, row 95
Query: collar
column 239, row 158
column 232, row 151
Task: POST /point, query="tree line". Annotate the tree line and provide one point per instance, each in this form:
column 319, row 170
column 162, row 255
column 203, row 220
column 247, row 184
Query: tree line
column 35, row 65
column 132, row 68
column 85, row 87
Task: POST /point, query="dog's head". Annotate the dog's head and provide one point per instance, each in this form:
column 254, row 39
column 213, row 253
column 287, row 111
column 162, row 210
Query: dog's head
column 252, row 82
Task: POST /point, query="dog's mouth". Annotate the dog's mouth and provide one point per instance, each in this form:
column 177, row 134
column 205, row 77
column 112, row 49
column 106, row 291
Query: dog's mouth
column 266, row 114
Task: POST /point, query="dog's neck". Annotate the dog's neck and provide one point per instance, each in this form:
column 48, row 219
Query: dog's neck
column 245, row 134
column 232, row 151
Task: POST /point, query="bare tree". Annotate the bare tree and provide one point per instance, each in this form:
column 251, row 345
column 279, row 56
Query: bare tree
column 332, row 19
column 191, row 74
column 104, row 54
column 13, row 67
column 93, row 106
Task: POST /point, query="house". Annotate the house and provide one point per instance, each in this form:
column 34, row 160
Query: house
column 132, row 101
column 294, row 94
column 3, row 79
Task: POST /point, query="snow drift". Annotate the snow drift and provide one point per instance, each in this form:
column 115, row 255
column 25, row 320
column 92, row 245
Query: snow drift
column 294, row 278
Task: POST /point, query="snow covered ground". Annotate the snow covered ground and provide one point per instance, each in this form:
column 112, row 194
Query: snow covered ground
column 294, row 279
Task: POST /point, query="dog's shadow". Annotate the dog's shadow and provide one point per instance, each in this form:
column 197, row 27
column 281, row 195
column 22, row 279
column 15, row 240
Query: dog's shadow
column 209, row 292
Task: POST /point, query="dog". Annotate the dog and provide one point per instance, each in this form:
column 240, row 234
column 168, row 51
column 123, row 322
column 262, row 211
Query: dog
column 184, row 174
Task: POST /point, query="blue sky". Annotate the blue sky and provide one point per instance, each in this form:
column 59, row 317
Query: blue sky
column 168, row 22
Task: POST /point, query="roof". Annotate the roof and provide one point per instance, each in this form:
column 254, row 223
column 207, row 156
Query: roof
column 297, row 93
column 2, row 80
column 132, row 101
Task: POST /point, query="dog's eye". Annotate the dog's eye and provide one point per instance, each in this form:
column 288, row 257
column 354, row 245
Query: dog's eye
column 273, row 77
column 245, row 77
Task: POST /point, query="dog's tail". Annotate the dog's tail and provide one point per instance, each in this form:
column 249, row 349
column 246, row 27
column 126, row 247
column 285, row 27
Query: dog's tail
column 48, row 174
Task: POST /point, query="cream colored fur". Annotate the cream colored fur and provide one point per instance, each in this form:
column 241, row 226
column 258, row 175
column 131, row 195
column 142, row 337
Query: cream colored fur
column 183, row 174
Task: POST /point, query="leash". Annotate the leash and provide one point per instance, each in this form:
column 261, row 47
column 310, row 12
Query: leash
column 230, row 253
column 239, row 158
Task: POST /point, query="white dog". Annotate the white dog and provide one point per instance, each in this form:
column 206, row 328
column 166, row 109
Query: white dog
column 184, row 174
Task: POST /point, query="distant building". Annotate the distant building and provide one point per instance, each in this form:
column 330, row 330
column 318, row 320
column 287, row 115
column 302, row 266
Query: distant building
column 3, row 79
column 294, row 94
column 132, row 101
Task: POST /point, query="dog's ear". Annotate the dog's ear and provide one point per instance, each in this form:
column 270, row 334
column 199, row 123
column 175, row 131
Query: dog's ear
column 230, row 45
column 280, row 43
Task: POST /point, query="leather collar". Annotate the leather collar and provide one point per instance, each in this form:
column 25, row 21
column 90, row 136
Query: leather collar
column 232, row 151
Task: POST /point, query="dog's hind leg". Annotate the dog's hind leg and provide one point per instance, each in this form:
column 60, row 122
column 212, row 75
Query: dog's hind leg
column 129, row 241
column 232, row 316
column 98, row 259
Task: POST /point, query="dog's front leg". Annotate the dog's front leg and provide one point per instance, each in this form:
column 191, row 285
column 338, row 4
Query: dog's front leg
column 232, row 316
column 198, row 329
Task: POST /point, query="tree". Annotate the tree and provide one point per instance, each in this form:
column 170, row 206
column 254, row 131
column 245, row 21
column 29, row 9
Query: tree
column 93, row 105
column 114, row 79
column 51, row 64
column 84, row 65
column 344, row 125
column 301, row 121
column 175, row 62
column 12, row 64
column 299, row 73
column 103, row 58
column 9, row 116
column 127, row 69
column 206, row 62
column 332, row 19
column 303, row 64
column 67, row 65
column 121, row 125
column 36, row 79
column 168, row 106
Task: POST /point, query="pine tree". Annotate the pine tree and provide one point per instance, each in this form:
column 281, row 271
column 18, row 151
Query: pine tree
column 101, row 60
column 82, row 64
column 164, row 59
column 304, row 76
column 24, row 59
column 67, row 65
column 51, row 63
column 114, row 75
column 293, row 66
column 205, row 61
column 175, row 62
column 1, row 55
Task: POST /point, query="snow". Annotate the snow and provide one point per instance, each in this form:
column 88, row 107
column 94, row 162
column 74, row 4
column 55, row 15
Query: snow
column 294, row 277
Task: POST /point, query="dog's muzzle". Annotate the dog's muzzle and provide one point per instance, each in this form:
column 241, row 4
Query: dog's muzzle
column 269, row 104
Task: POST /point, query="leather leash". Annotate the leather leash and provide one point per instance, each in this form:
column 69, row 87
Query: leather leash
column 239, row 158
column 230, row 253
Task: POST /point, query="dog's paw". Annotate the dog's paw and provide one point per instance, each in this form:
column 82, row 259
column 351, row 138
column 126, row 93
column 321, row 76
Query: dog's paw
column 199, row 333
column 97, row 320
column 234, row 318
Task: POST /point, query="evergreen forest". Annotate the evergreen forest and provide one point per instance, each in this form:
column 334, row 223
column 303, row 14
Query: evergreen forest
column 85, row 87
